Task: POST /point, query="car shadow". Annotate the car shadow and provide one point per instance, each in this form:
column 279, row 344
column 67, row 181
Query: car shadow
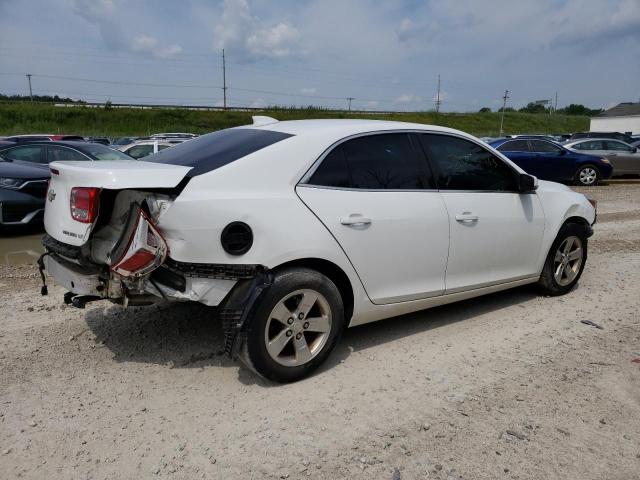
column 189, row 335
column 388, row 330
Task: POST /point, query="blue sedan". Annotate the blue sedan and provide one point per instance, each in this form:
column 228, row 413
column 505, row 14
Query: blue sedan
column 549, row 161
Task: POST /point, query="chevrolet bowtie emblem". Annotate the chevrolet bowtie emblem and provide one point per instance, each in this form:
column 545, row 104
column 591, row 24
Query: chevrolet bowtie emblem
column 51, row 195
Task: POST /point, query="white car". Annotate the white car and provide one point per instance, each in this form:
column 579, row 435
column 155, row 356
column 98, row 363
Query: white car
column 297, row 229
column 142, row 148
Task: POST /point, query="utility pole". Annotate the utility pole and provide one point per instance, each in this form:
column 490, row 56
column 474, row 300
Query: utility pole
column 555, row 107
column 30, row 92
column 224, row 81
column 504, row 104
column 438, row 97
column 350, row 99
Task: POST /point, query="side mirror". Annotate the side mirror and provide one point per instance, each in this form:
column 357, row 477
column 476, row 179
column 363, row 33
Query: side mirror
column 527, row 183
column 635, row 149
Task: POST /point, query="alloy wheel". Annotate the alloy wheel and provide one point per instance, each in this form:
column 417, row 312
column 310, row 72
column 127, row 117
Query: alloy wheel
column 568, row 261
column 298, row 327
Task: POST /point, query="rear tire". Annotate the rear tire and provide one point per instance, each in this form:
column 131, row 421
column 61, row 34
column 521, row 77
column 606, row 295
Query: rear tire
column 565, row 261
column 294, row 326
column 587, row 176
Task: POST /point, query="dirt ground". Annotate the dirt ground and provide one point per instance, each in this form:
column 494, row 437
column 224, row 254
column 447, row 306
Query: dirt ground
column 511, row 386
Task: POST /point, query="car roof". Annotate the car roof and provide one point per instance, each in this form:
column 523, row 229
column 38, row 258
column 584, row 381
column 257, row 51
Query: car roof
column 594, row 139
column 67, row 143
column 341, row 128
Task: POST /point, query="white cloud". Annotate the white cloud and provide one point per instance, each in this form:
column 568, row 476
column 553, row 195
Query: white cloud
column 443, row 96
column 147, row 44
column 371, row 105
column 101, row 13
column 309, row 91
column 144, row 43
column 166, row 52
column 258, row 103
column 248, row 36
column 407, row 98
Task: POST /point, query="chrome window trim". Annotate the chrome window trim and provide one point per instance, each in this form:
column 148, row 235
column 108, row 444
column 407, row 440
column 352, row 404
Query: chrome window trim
column 32, row 181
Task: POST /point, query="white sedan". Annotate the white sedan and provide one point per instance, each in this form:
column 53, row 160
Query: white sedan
column 295, row 230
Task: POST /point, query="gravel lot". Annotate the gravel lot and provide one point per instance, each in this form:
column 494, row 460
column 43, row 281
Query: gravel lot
column 510, row 386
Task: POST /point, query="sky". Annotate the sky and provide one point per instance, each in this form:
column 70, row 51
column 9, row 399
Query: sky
column 386, row 55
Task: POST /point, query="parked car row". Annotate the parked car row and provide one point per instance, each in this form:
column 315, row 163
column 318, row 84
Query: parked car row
column 25, row 159
column 585, row 159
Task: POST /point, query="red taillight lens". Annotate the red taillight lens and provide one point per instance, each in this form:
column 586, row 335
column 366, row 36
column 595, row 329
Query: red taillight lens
column 144, row 251
column 84, row 203
column 138, row 261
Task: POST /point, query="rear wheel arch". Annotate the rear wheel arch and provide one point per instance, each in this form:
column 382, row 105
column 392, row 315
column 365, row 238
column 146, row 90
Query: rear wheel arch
column 332, row 272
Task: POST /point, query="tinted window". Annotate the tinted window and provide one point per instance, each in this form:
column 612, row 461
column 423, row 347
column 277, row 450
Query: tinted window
column 591, row 145
column 464, row 165
column 374, row 162
column 333, row 171
column 617, row 146
column 214, row 150
column 57, row 153
column 139, row 151
column 386, row 161
column 162, row 147
column 544, row 147
column 514, row 146
column 31, row 153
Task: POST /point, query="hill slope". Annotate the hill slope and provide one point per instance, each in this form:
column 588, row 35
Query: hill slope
column 18, row 118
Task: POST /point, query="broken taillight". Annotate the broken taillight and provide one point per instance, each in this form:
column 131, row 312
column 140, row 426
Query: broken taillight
column 145, row 251
column 84, row 203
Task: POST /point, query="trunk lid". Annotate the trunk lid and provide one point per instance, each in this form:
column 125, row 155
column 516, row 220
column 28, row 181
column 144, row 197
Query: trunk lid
column 106, row 175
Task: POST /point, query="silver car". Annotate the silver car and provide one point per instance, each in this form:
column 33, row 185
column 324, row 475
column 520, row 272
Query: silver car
column 624, row 158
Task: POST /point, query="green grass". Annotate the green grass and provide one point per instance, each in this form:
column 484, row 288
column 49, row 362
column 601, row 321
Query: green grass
column 16, row 118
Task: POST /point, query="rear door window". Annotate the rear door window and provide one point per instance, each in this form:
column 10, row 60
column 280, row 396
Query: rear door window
column 375, row 162
column 544, row 147
column 514, row 146
column 590, row 145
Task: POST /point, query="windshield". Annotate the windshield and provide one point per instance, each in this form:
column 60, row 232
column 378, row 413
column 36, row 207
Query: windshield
column 101, row 152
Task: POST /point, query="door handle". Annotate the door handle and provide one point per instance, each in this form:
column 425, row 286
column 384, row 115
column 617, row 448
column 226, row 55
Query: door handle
column 466, row 217
column 354, row 220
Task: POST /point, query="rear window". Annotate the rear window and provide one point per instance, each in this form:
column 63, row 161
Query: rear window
column 214, row 150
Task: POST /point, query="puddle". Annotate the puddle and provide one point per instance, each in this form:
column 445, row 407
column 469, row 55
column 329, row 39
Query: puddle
column 20, row 249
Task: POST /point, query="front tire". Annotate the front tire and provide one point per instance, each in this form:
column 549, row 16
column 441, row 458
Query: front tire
column 587, row 176
column 294, row 326
column 565, row 261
